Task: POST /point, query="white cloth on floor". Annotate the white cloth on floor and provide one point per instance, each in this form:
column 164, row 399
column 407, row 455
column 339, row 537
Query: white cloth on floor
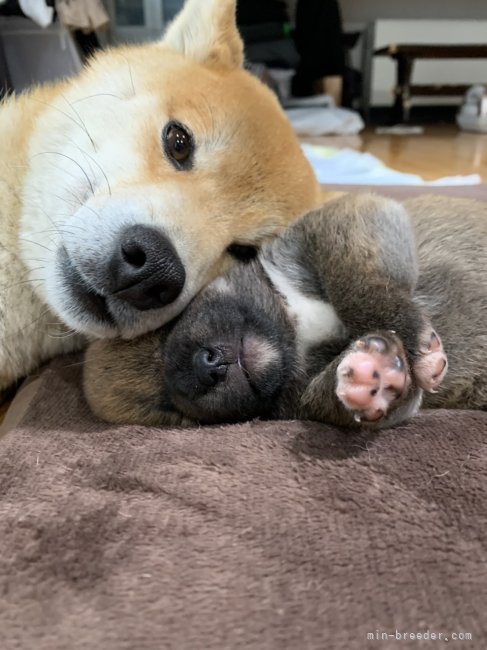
column 315, row 121
column 349, row 167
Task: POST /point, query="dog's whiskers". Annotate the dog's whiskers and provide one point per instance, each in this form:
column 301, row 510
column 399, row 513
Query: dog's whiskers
column 50, row 231
column 34, row 322
column 60, row 335
column 77, row 201
column 85, row 129
column 36, row 243
column 21, row 282
column 100, row 168
column 244, row 370
column 56, row 108
column 17, row 284
column 131, row 76
column 83, row 99
column 63, row 155
column 97, row 214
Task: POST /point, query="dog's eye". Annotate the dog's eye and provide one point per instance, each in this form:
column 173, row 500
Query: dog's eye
column 243, row 253
column 178, row 145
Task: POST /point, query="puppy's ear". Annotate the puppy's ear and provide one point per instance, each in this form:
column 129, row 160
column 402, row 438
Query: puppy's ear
column 206, row 31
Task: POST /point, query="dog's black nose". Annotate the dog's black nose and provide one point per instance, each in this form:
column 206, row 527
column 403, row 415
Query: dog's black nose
column 209, row 366
column 145, row 269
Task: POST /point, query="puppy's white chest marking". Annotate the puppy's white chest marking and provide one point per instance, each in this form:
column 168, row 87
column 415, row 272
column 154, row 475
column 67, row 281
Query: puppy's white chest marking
column 316, row 320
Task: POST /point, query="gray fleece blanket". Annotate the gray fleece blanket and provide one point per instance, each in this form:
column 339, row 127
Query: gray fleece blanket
column 266, row 535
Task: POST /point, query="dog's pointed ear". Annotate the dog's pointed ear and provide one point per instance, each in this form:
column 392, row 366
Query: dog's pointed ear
column 206, row 31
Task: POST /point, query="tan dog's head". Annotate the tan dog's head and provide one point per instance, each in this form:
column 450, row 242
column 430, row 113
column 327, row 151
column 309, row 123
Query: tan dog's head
column 151, row 171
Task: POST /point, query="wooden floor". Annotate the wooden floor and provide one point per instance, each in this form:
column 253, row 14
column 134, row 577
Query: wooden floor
column 440, row 151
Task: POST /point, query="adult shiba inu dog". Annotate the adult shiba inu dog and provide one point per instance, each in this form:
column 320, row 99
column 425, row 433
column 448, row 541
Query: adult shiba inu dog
column 127, row 189
column 332, row 322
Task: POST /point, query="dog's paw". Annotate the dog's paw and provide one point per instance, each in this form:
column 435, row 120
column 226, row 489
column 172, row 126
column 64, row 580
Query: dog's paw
column 430, row 365
column 372, row 377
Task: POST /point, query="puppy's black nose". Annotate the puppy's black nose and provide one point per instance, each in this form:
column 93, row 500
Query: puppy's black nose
column 209, row 366
column 145, row 269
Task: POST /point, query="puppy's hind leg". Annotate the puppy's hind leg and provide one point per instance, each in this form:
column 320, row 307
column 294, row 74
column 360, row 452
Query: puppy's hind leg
column 369, row 272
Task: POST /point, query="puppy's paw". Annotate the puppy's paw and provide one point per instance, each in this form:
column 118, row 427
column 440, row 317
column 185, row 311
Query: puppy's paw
column 372, row 377
column 430, row 365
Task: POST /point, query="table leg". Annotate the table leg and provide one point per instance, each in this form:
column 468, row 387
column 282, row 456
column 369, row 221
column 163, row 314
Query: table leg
column 402, row 104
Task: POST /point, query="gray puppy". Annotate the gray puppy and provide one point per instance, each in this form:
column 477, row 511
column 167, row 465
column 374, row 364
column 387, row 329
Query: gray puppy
column 331, row 322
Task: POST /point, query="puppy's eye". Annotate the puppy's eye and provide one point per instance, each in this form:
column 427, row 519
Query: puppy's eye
column 243, row 253
column 178, row 145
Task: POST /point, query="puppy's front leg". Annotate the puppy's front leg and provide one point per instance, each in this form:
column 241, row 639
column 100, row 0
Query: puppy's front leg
column 369, row 385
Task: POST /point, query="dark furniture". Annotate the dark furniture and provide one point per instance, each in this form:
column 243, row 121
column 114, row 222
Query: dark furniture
column 5, row 81
column 406, row 55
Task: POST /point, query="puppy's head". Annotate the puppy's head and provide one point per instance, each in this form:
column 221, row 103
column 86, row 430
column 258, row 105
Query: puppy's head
column 229, row 357
column 150, row 170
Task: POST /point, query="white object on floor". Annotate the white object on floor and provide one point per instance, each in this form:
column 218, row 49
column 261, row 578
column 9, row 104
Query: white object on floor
column 314, row 101
column 315, row 121
column 38, row 11
column 315, row 115
column 472, row 116
column 348, row 167
column 400, row 129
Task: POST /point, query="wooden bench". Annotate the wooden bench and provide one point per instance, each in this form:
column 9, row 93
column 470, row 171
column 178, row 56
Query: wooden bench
column 406, row 55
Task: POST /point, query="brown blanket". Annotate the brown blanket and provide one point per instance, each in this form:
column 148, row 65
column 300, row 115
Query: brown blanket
column 265, row 535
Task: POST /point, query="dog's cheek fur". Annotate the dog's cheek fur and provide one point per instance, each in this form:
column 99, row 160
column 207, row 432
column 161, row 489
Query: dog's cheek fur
column 124, row 382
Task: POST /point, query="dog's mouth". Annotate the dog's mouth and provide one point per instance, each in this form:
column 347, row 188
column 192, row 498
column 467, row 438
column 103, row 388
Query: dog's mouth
column 248, row 367
column 89, row 301
column 125, row 293
column 242, row 364
column 245, row 363
column 238, row 363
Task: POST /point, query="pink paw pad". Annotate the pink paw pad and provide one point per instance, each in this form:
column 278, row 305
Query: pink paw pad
column 431, row 365
column 371, row 377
